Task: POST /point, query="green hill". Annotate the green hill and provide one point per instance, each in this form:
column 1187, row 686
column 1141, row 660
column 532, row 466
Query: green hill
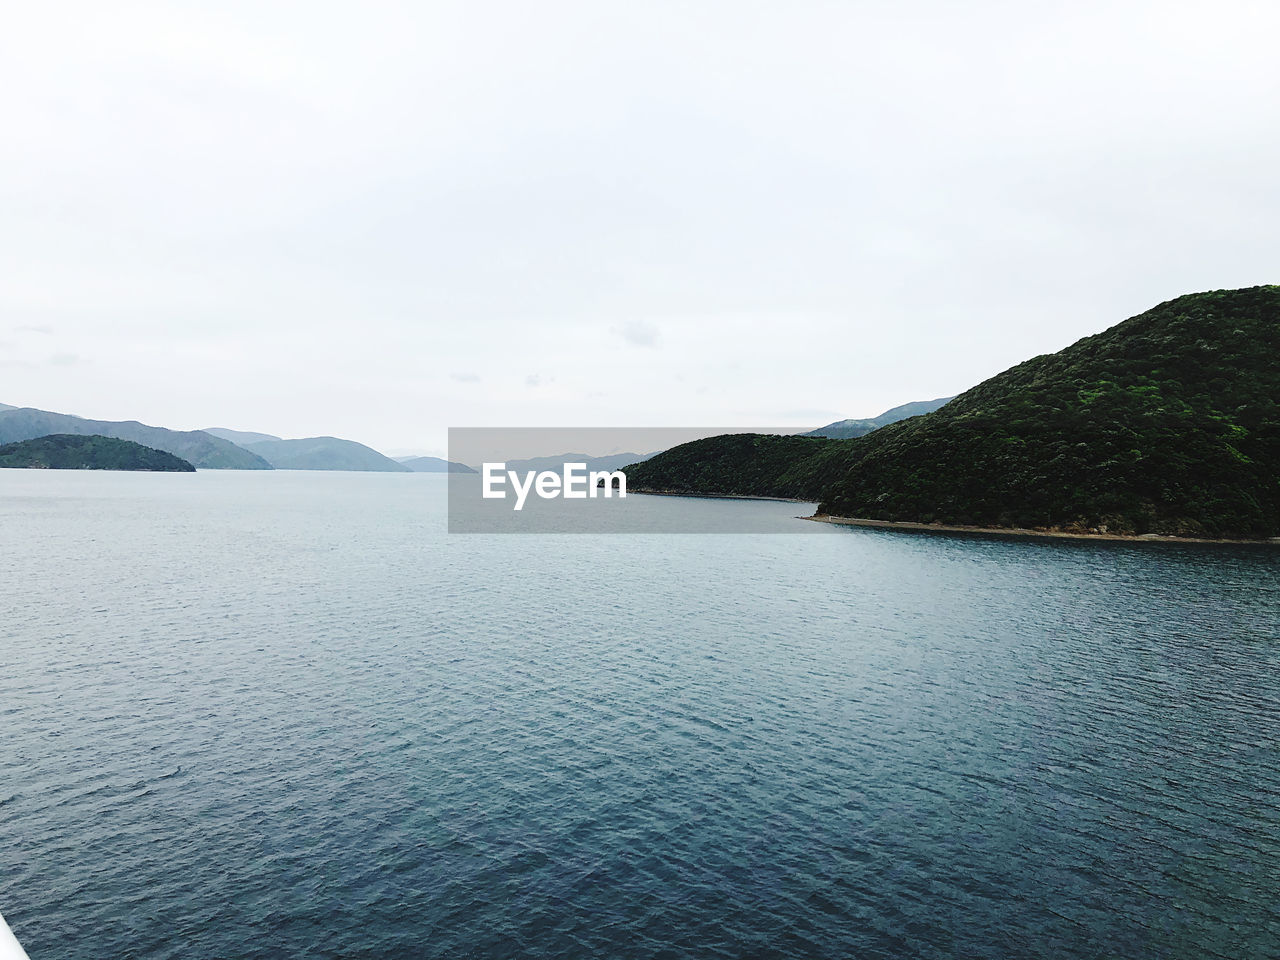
column 195, row 446
column 1166, row 423
column 62, row 451
column 743, row 465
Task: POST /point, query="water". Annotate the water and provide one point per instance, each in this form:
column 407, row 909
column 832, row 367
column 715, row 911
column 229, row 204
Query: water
column 283, row 715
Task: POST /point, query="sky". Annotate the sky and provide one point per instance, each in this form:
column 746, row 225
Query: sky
column 380, row 220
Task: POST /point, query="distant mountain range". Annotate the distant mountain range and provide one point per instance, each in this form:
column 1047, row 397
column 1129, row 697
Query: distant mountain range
column 223, row 448
column 240, row 437
column 844, row 429
column 218, row 448
column 195, row 446
column 330, row 453
column 64, row 451
column 433, row 465
column 323, row 453
column 1167, row 423
column 612, row 461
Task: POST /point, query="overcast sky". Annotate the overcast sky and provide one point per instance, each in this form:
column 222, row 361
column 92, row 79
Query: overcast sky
column 380, row 220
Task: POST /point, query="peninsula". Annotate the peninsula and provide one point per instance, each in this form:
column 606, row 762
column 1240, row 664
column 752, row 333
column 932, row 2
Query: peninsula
column 1166, row 424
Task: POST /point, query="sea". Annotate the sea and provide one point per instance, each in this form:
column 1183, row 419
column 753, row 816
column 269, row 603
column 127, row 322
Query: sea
column 287, row 715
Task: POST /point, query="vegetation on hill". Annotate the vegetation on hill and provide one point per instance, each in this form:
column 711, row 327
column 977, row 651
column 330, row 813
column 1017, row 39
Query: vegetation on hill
column 742, row 465
column 194, row 446
column 1166, row 423
column 63, row 451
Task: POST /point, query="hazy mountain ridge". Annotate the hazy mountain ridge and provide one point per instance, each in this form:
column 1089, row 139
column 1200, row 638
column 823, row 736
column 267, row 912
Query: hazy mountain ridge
column 433, row 465
column 239, row 437
column 610, row 461
column 195, row 446
column 215, row 448
column 331, row 453
column 845, row 429
column 1165, row 423
column 65, row 451
column 324, row 453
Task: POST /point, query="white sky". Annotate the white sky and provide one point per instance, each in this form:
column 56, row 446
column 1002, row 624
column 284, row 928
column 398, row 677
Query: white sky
column 380, row 220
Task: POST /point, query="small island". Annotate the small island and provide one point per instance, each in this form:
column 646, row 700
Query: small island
column 65, row 451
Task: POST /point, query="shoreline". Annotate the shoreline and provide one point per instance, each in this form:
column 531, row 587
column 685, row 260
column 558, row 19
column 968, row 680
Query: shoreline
column 717, row 496
column 911, row 526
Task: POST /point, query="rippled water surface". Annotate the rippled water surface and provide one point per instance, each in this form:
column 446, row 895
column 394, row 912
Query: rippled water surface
column 284, row 715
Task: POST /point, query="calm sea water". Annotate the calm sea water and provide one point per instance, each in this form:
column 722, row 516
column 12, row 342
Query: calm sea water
column 284, row 715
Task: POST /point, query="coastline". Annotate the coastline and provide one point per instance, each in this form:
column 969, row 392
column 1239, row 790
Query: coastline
column 913, row 526
column 714, row 496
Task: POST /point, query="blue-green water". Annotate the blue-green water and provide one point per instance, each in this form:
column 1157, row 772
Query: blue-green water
column 284, row 715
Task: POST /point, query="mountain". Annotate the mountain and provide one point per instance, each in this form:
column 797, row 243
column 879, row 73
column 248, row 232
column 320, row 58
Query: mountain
column 195, row 446
column 330, row 453
column 1167, row 423
column 240, row 437
column 63, row 451
column 843, row 429
column 744, row 465
column 434, row 465
column 611, row 461
column 324, row 453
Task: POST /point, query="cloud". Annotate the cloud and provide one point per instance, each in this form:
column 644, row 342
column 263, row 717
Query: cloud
column 64, row 359
column 638, row 333
column 797, row 227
